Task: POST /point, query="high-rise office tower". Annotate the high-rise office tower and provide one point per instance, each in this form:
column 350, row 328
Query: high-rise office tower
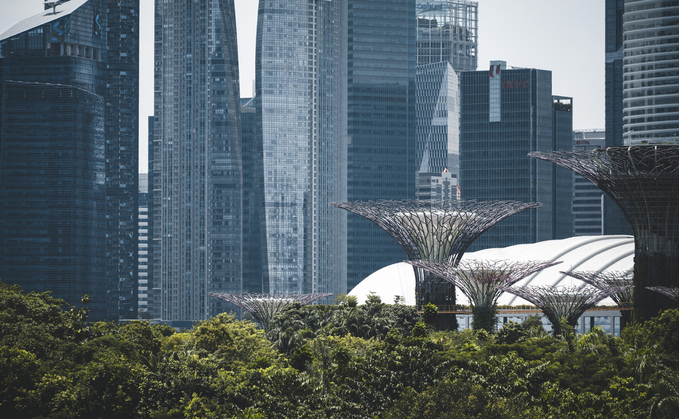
column 92, row 45
column 52, row 192
column 505, row 115
column 651, row 72
column 301, row 116
column 122, row 156
column 614, row 220
column 255, row 266
column 382, row 124
column 447, row 42
column 588, row 199
column 197, row 166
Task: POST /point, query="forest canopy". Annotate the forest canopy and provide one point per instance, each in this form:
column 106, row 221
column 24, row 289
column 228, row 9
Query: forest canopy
column 326, row 361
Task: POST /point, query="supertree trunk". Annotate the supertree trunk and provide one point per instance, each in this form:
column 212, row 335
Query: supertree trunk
column 643, row 180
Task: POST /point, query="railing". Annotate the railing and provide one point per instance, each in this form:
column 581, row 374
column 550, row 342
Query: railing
column 461, row 309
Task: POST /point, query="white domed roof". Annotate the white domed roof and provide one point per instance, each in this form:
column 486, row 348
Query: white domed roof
column 583, row 253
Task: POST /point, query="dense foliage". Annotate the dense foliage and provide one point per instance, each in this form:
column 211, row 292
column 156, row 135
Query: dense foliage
column 326, row 361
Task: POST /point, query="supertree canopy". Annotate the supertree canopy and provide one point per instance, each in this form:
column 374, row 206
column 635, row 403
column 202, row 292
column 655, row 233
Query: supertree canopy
column 264, row 307
column 643, row 180
column 482, row 281
column 559, row 303
column 437, row 231
column 673, row 293
column 622, row 280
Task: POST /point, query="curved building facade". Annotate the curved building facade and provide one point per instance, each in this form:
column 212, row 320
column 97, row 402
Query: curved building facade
column 300, row 105
column 651, row 72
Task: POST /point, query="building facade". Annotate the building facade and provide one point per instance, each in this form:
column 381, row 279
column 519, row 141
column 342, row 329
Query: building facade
column 122, row 156
column 255, row 262
column 52, row 192
column 300, row 105
column 588, row 199
column 505, row 115
column 92, row 45
column 382, row 123
column 614, row 220
column 651, row 72
column 197, row 163
column 144, row 287
column 447, row 43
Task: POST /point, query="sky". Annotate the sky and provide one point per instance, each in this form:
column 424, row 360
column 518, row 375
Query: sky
column 565, row 37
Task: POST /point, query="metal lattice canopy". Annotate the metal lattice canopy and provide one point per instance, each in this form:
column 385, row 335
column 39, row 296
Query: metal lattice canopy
column 435, row 230
column 673, row 293
column 643, row 180
column 482, row 281
column 563, row 302
column 264, row 307
column 607, row 279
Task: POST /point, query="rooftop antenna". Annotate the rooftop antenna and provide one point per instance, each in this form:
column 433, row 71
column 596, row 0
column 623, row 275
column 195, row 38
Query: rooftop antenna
column 53, row 4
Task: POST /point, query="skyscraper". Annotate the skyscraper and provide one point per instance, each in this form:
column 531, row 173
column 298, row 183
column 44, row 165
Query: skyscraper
column 52, row 192
column 651, row 72
column 197, row 164
column 122, row 156
column 447, row 42
column 301, row 117
column 614, row 220
column 92, row 45
column 505, row 115
column 382, row 124
column 588, row 199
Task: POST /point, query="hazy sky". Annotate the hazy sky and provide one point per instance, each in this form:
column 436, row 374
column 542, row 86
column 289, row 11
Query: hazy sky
column 566, row 37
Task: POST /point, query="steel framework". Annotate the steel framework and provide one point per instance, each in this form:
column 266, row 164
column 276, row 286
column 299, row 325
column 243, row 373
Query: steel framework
column 437, row 231
column 608, row 279
column 482, row 281
column 264, row 307
column 567, row 303
column 643, row 180
column 673, row 293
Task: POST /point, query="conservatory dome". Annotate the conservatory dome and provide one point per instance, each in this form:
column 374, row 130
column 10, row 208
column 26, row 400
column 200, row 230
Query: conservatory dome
column 582, row 253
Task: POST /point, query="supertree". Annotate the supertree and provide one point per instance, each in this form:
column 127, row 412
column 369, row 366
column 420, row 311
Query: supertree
column 264, row 307
column 643, row 180
column 438, row 231
column 673, row 293
column 559, row 303
column 482, row 281
column 608, row 279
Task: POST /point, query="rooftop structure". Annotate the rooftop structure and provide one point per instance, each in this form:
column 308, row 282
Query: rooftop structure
column 644, row 182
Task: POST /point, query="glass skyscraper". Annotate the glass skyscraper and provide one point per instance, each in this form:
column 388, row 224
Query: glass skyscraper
column 447, row 42
column 505, row 115
column 91, row 45
column 651, row 72
column 614, row 220
column 382, row 124
column 301, row 116
column 122, row 156
column 52, row 192
column 197, row 163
